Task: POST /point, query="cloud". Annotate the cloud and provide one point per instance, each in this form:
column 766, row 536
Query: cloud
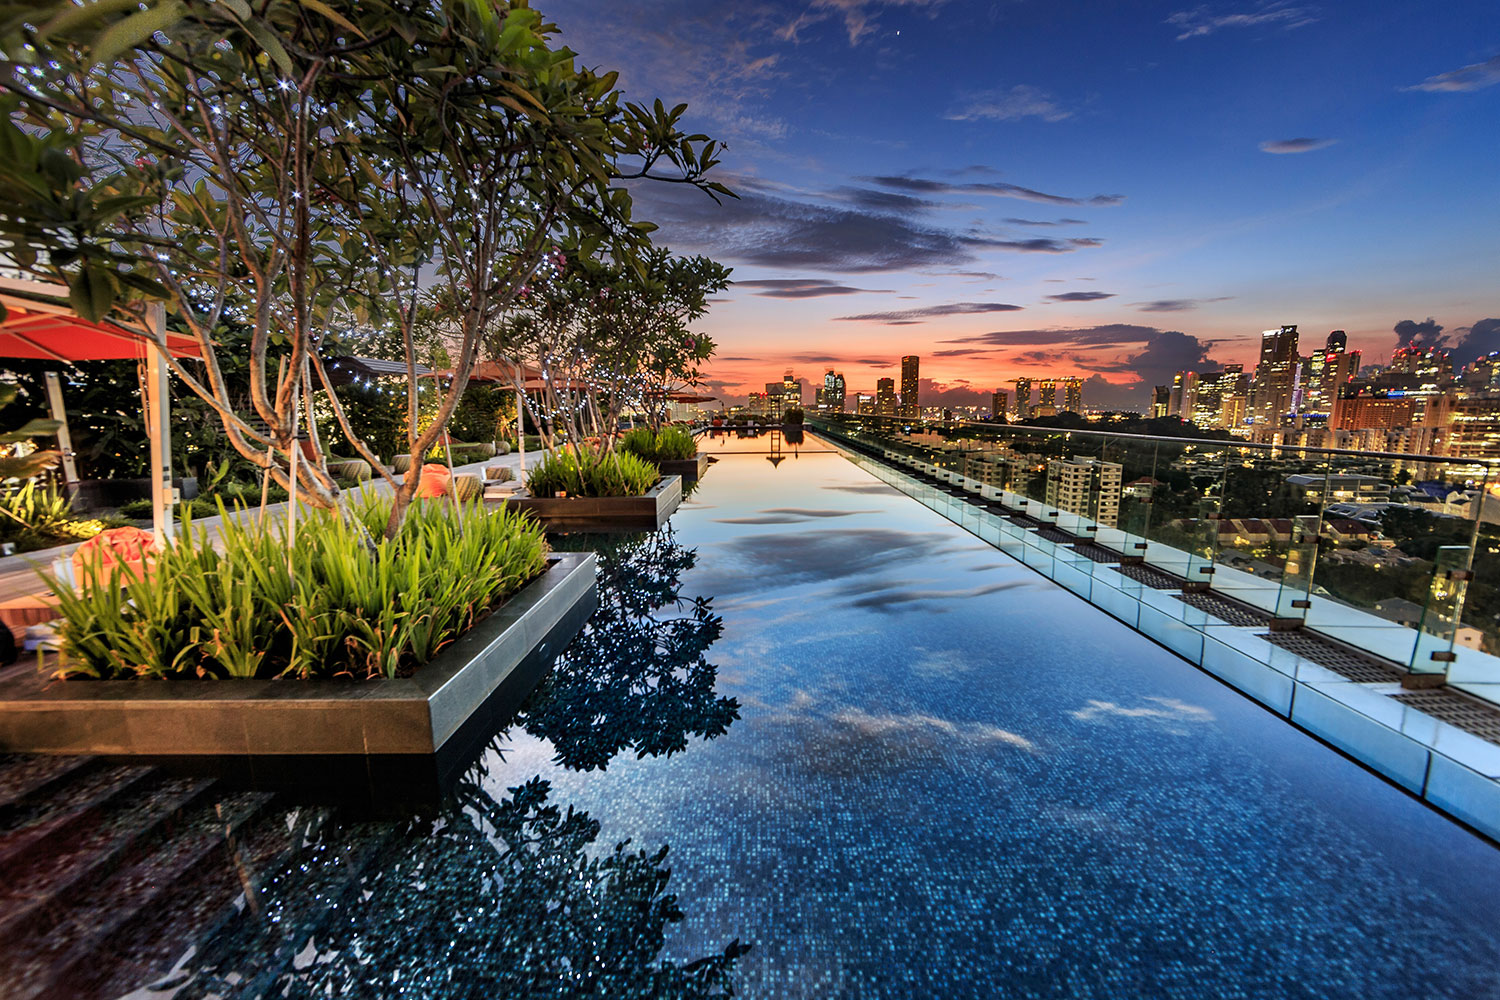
column 1303, row 145
column 1020, row 101
column 1209, row 18
column 1475, row 76
column 857, row 15
column 764, row 228
column 1478, row 340
column 1177, row 305
column 1165, row 354
column 995, row 189
column 1081, row 296
column 958, row 393
column 909, row 316
column 804, row 288
column 716, row 55
column 1045, row 222
column 1093, row 336
column 1410, row 333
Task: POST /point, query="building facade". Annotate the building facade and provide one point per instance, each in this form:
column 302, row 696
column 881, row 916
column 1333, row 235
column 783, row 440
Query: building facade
column 1087, row 487
column 911, row 403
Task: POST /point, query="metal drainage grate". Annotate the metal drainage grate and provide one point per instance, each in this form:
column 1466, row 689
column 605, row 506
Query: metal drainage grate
column 1224, row 609
column 1098, row 553
column 1055, row 534
column 1456, row 709
column 1342, row 660
column 1153, row 578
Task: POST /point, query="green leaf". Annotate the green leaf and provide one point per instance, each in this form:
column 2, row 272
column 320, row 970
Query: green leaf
column 271, row 45
column 132, row 31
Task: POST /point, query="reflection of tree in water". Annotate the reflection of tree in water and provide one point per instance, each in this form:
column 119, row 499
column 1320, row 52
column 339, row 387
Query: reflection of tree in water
column 634, row 678
column 482, row 898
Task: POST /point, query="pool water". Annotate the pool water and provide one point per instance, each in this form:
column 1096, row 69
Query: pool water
column 816, row 720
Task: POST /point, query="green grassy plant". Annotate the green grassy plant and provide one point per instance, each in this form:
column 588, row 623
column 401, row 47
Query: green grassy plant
column 669, row 444
column 349, row 607
column 591, row 472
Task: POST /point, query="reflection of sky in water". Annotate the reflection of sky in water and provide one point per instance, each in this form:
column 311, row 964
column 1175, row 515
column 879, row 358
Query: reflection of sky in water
column 952, row 778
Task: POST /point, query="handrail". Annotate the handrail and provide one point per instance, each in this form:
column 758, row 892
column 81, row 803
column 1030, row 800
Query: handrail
column 1486, row 463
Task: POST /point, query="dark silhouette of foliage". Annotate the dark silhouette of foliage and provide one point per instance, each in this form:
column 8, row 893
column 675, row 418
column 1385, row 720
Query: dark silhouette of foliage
column 483, row 897
column 636, row 678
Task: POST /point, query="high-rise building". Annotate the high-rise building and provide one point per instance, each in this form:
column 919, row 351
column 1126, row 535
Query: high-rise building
column 1275, row 390
column 1323, row 373
column 831, row 395
column 999, row 404
column 1086, row 486
column 1338, row 342
column 911, row 404
column 1184, row 395
column 864, row 403
column 1209, row 392
column 1047, row 394
column 1023, row 398
column 1372, row 410
column 885, row 397
column 1073, row 394
column 791, row 391
column 1161, row 400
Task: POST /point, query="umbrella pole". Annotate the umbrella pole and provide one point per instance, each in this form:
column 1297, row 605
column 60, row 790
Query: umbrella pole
column 158, row 430
column 64, row 438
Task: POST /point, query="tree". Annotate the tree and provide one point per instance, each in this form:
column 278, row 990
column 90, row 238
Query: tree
column 309, row 169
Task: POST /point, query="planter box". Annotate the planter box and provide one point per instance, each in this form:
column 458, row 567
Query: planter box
column 690, row 469
column 643, row 513
column 408, row 736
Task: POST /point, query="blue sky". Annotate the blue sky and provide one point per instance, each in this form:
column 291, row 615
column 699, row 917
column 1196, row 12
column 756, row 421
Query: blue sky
column 1113, row 190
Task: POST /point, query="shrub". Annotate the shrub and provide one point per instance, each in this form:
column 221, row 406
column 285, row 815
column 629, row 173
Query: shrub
column 34, row 518
column 591, row 472
column 670, row 444
column 349, row 607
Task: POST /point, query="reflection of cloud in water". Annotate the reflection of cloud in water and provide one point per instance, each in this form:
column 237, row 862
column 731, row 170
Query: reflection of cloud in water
column 918, row 723
column 876, row 488
column 790, row 515
column 882, row 600
column 940, row 662
column 1163, row 709
column 811, row 556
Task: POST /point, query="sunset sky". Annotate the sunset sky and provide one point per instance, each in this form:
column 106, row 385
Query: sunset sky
column 1115, row 190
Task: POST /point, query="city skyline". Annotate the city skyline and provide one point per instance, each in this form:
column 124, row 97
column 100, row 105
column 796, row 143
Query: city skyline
column 1116, row 192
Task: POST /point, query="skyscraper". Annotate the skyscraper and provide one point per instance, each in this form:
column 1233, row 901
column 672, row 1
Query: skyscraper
column 1161, row 401
column 1023, row 398
column 885, row 397
column 1184, row 395
column 832, row 395
column 911, row 404
column 1275, row 391
column 1073, row 394
column 999, row 404
column 1047, row 394
column 1338, row 341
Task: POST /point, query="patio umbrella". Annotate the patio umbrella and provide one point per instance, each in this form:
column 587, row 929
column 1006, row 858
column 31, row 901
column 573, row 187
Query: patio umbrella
column 39, row 324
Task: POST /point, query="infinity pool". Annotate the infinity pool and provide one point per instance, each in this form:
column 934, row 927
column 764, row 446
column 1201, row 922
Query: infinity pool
column 886, row 758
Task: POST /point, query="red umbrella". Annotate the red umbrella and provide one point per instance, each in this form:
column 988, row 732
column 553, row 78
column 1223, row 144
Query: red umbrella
column 49, row 331
column 38, row 324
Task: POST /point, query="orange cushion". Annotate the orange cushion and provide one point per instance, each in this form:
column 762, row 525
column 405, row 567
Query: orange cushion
column 434, row 481
column 131, row 548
